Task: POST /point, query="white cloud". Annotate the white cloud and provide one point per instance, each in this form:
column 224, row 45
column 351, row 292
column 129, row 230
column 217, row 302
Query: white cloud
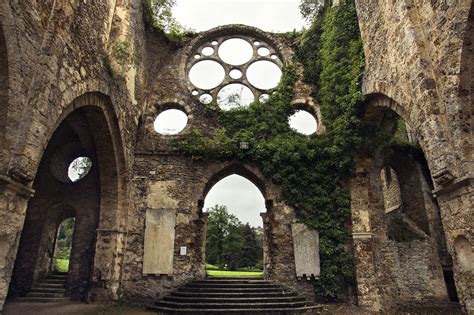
column 268, row 15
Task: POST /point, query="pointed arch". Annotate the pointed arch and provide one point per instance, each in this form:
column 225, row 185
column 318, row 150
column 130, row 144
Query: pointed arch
column 241, row 169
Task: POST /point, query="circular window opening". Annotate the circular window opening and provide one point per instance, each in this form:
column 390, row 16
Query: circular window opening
column 207, row 51
column 205, row 99
column 235, row 51
column 263, row 51
column 214, row 42
column 171, row 122
column 264, row 98
column 264, row 75
column 234, row 95
column 303, row 122
column 79, row 168
column 206, row 74
column 235, row 74
column 197, row 56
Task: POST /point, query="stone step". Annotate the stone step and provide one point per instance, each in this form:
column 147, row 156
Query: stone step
column 230, row 290
column 57, row 276
column 48, row 290
column 232, row 281
column 53, row 281
column 45, row 294
column 202, row 299
column 242, row 311
column 40, row 299
column 233, row 294
column 49, row 285
column 231, row 285
column 234, row 278
column 230, row 305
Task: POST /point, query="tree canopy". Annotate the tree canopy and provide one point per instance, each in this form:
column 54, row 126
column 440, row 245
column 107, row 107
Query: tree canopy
column 231, row 243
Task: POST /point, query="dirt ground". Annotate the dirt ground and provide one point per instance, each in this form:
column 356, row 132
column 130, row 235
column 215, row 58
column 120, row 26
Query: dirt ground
column 71, row 308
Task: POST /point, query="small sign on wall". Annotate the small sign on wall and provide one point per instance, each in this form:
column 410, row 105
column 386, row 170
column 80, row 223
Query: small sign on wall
column 183, row 251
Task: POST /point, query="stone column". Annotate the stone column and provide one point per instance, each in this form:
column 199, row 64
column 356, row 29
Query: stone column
column 14, row 198
column 362, row 237
column 456, row 202
column 266, row 230
column 202, row 229
column 107, row 266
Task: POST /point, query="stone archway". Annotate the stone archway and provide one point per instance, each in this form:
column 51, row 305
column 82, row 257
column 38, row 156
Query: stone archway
column 384, row 237
column 90, row 129
column 250, row 179
column 465, row 128
column 4, row 72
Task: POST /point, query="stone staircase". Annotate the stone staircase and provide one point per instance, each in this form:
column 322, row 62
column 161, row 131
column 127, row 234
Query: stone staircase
column 50, row 289
column 233, row 296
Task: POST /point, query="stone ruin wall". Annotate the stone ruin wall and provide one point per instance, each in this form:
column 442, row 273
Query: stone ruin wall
column 415, row 52
column 418, row 63
column 162, row 179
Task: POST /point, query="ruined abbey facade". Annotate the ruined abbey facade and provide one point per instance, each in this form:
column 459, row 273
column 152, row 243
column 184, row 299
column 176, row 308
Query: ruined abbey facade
column 62, row 96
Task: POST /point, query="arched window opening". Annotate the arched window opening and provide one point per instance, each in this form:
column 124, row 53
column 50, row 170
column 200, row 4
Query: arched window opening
column 63, row 245
column 234, row 232
column 79, row 168
column 392, row 198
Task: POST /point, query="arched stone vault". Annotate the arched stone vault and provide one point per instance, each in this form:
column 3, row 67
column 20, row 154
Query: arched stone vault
column 52, row 66
column 417, row 54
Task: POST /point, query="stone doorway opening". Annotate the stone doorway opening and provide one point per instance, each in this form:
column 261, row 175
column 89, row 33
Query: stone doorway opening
column 63, row 246
column 235, row 242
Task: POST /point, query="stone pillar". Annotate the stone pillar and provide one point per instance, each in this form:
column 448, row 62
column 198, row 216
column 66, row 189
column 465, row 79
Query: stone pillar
column 266, row 229
column 362, row 237
column 202, row 233
column 14, row 198
column 456, row 202
column 107, row 269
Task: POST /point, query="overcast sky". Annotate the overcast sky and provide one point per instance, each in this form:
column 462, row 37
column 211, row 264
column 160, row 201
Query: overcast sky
column 242, row 198
column 268, row 15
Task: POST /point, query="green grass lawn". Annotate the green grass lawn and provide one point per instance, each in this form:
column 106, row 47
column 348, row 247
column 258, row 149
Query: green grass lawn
column 61, row 265
column 235, row 274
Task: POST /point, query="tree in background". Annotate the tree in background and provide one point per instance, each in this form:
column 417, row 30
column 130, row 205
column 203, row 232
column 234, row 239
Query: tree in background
column 64, row 245
column 310, row 8
column 231, row 243
column 219, row 225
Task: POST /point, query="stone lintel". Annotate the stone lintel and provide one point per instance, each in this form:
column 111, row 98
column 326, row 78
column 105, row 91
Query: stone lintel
column 455, row 185
column 18, row 187
column 362, row 235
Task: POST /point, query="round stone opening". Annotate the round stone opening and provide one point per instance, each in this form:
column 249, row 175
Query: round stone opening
column 207, row 51
column 235, row 74
column 79, row 168
column 206, row 74
column 303, row 122
column 264, row 74
column 205, row 99
column 171, row 122
column 235, row 51
column 263, row 51
column 234, row 95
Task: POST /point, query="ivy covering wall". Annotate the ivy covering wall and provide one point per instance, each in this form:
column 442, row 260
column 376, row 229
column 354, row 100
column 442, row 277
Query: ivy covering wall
column 310, row 170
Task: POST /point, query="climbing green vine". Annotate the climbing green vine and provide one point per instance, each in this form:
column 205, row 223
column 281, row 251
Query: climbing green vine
column 310, row 170
column 158, row 14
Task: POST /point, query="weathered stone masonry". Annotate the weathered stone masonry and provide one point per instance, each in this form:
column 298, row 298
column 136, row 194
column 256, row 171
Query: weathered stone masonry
column 62, row 93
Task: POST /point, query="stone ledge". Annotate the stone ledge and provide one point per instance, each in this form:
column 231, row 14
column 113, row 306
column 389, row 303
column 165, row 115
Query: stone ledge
column 455, row 185
column 18, row 187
